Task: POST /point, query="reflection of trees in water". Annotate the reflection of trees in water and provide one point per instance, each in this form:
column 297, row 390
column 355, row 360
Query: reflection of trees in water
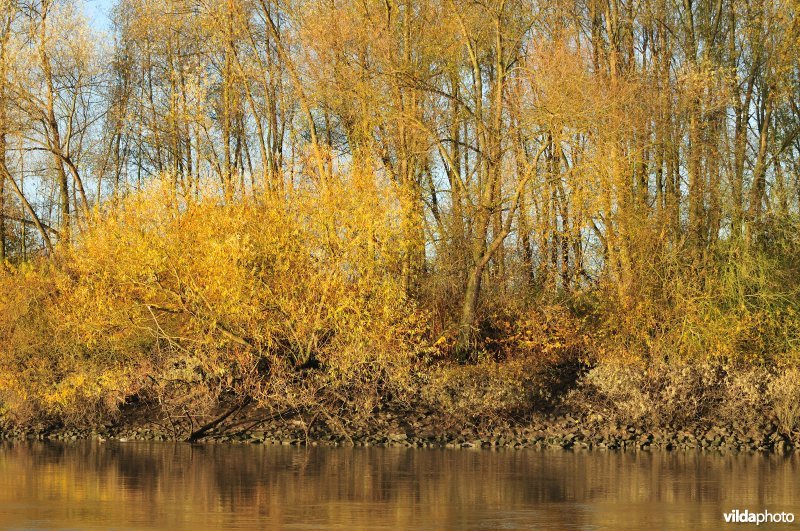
column 181, row 485
column 137, row 471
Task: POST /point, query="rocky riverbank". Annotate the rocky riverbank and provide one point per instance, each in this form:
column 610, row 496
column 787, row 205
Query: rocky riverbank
column 566, row 430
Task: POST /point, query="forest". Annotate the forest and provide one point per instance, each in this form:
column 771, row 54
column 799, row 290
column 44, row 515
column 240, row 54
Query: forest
column 481, row 206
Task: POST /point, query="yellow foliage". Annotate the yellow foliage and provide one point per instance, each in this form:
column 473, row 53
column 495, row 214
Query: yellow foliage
column 162, row 294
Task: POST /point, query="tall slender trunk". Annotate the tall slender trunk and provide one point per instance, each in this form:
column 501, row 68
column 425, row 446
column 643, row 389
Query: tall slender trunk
column 54, row 136
column 759, row 188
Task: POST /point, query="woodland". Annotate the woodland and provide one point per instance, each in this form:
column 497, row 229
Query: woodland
column 484, row 207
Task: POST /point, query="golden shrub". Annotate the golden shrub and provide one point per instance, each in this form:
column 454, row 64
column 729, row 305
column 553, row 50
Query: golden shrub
column 162, row 295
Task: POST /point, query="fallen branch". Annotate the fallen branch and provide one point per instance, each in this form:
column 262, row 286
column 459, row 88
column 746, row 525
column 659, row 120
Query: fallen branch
column 260, row 421
column 202, row 430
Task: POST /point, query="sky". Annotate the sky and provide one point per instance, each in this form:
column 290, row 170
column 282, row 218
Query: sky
column 98, row 13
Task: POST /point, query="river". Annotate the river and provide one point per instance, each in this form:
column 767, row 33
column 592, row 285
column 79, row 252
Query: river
column 214, row 486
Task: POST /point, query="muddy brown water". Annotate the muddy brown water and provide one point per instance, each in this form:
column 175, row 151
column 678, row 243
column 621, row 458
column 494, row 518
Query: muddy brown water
column 180, row 486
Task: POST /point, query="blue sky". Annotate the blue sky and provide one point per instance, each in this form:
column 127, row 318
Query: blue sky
column 98, row 12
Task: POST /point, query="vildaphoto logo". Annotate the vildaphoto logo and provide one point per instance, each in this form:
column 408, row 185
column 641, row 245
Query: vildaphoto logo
column 764, row 517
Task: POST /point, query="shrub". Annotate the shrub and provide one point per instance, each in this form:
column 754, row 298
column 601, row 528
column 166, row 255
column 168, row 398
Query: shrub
column 171, row 298
column 784, row 397
column 657, row 393
column 735, row 302
column 685, row 393
column 549, row 334
column 487, row 389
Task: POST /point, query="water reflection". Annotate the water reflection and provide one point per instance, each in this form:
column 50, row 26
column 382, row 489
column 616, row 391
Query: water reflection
column 175, row 486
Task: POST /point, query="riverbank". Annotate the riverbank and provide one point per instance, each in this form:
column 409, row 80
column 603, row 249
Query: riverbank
column 611, row 405
column 508, row 404
column 399, row 428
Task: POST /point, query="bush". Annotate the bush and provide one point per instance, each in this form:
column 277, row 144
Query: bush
column 527, row 359
column 688, row 393
column 734, row 302
column 657, row 394
column 549, row 334
column 170, row 298
column 784, row 398
column 487, row 389
column 48, row 365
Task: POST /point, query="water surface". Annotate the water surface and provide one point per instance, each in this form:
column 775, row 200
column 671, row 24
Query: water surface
column 181, row 486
